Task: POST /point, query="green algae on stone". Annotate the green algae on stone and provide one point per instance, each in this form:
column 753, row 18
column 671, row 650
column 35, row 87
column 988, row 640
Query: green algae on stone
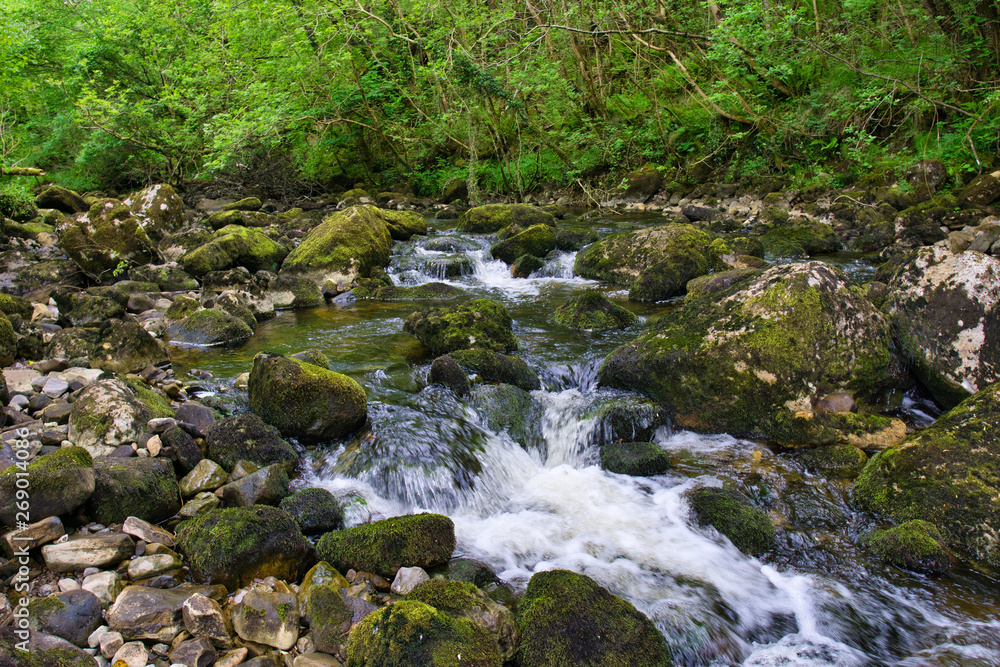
column 817, row 429
column 59, row 483
column 491, row 218
column 315, row 510
column 721, row 281
column 425, row 292
column 154, row 400
column 482, row 323
column 639, row 459
column 382, row 547
column 181, row 307
column 915, row 545
column 247, row 438
column 141, row 487
column 508, row 409
column 209, row 327
column 236, row 545
column 493, row 366
column 593, row 311
column 945, row 474
column 537, row 240
column 568, row 619
column 413, row 634
column 235, row 245
column 733, row 515
column 839, row 460
column 305, row 401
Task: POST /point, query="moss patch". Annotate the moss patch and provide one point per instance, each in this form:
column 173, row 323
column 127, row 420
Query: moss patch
column 733, row 515
column 594, row 311
column 382, row 547
column 482, row 323
column 639, row 459
column 915, row 545
column 491, row 218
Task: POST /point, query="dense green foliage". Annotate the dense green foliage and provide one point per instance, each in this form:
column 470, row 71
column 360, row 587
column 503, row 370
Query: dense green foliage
column 509, row 94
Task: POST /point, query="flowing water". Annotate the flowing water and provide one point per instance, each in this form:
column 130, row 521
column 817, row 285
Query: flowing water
column 815, row 600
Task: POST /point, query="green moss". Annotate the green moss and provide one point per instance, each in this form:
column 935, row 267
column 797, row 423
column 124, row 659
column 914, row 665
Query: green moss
column 840, row 460
column 567, row 619
column 914, row 545
column 247, row 438
column 15, row 305
column 141, row 487
column 403, row 224
column 525, row 265
column 413, row 634
column 155, row 401
column 8, row 341
column 537, row 240
column 181, row 307
column 482, row 323
column 594, row 311
column 491, row 218
column 639, row 459
column 347, row 244
column 495, row 367
column 382, row 547
column 47, row 605
column 427, row 291
column 315, row 510
column 64, row 458
column 800, row 238
column 234, row 245
column 733, row 515
column 451, row 597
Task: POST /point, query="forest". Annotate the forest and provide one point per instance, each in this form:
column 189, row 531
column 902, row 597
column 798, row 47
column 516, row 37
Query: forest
column 512, row 96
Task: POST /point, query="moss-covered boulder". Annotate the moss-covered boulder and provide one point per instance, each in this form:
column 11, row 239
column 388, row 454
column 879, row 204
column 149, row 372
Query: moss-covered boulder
column 87, row 310
column 247, row 438
column 236, row 545
column 593, row 311
column 209, row 327
column 43, row 651
column 315, row 510
column 537, row 240
column 982, row 191
column 414, row 634
column 721, row 281
column 425, row 292
column 492, row 218
column 734, row 362
column 641, row 184
column 11, row 305
column 818, row 429
column 732, row 514
column 568, row 619
column 382, row 547
column 915, row 545
column 61, row 199
column 105, row 414
column 100, row 241
column 946, row 308
column 71, row 343
column 346, row 245
column 235, row 245
column 525, row 265
column 482, row 323
column 656, row 263
column 329, row 615
column 58, row 483
column 124, row 346
column 8, row 341
column 168, row 277
column 491, row 366
column 160, row 209
column 944, row 474
column 800, row 237
column 639, row 459
column 141, row 487
column 509, row 409
column 305, row 401
column 245, row 204
column 403, row 224
column 834, row 460
column 626, row 418
column 464, row 600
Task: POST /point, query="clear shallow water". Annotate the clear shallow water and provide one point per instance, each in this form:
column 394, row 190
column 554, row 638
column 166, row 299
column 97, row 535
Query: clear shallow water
column 816, row 600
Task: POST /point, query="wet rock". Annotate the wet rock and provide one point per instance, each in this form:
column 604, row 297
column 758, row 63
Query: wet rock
column 445, row 370
column 247, row 438
column 525, row 265
column 734, row 362
column 403, row 224
column 206, row 476
column 800, row 237
column 915, row 545
column 267, row 617
column 141, row 612
column 947, row 310
column 185, row 452
column 537, row 240
column 506, row 408
column 203, row 617
column 639, row 459
column 209, row 327
column 315, row 510
column 144, row 488
column 82, row 551
column 733, row 515
column 231, row 246
column 491, row 366
column 142, row 567
column 200, row 504
column 270, row 544
column 305, row 401
column 200, row 416
column 594, row 312
column 494, row 217
column 110, row 642
column 816, row 429
column 626, row 418
column 123, row 346
column 59, row 483
column 266, row 486
column 482, row 323
column 942, row 475
column 835, row 460
column 566, row 618
column 72, row 616
column 382, row 547
column 408, row 578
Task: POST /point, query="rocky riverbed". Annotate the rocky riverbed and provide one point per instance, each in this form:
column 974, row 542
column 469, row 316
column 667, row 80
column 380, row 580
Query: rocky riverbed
column 363, row 502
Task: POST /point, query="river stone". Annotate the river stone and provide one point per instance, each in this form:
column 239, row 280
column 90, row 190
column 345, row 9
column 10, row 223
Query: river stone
column 305, row 401
column 186, row 453
column 43, row 650
column 266, row 486
column 72, row 615
column 656, row 262
column 105, row 585
column 200, row 416
column 315, row 510
column 315, row 660
column 247, row 438
column 733, row 515
column 203, row 617
column 482, row 323
column 159, row 207
column 492, row 366
column 132, row 654
column 82, row 551
column 944, row 475
column 209, row 327
column 347, row 244
column 206, row 476
column 321, row 575
column 147, row 532
column 150, row 566
column 233, row 246
column 408, row 578
column 233, row 546
column 800, row 237
column 382, row 547
column 107, row 235
column 141, row 612
column 61, row 199
column 107, row 414
column 734, row 362
column 123, row 346
column 639, row 459
column 491, row 218
column 194, row 653
column 88, row 310
column 110, row 642
column 144, row 488
column 403, row 224
column 537, row 240
column 168, row 277
column 200, row 504
column 641, row 184
column 58, row 483
column 568, row 619
column 411, row 633
column 330, row 617
column 267, row 617
column 915, row 545
column 592, row 311
column 36, row 534
column 445, row 370
column 948, row 320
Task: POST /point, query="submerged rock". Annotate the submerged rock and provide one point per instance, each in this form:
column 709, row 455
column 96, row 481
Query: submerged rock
column 382, row 547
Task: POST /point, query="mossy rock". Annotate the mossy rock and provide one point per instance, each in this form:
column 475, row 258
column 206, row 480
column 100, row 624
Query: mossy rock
column 425, row 292
column 656, row 262
column 235, row 245
column 61, row 199
column 168, row 277
column 642, row 183
column 153, row 399
column 141, row 487
column 639, row 459
column 306, row 401
column 382, row 547
column 107, row 236
column 237, row 545
column 124, row 346
column 59, row 483
column 525, row 265
column 181, row 307
column 482, row 323
column 296, row 292
column 944, row 474
column 537, row 240
column 574, row 238
column 982, row 191
column 492, row 218
column 800, row 237
column 209, row 327
column 160, row 209
column 817, row 429
column 313, row 356
column 346, row 245
column 8, row 341
column 593, row 311
column 464, row 600
column 733, row 515
column 64, row 655
column 105, row 414
column 247, row 438
column 733, row 362
column 626, row 418
column 509, row 409
column 915, row 545
column 413, row 634
column 329, row 618
column 15, row 306
column 403, row 224
column 237, row 305
column 568, row 619
column 245, row 204
column 492, row 366
column 835, row 460
column 721, row 281
column 315, row 510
